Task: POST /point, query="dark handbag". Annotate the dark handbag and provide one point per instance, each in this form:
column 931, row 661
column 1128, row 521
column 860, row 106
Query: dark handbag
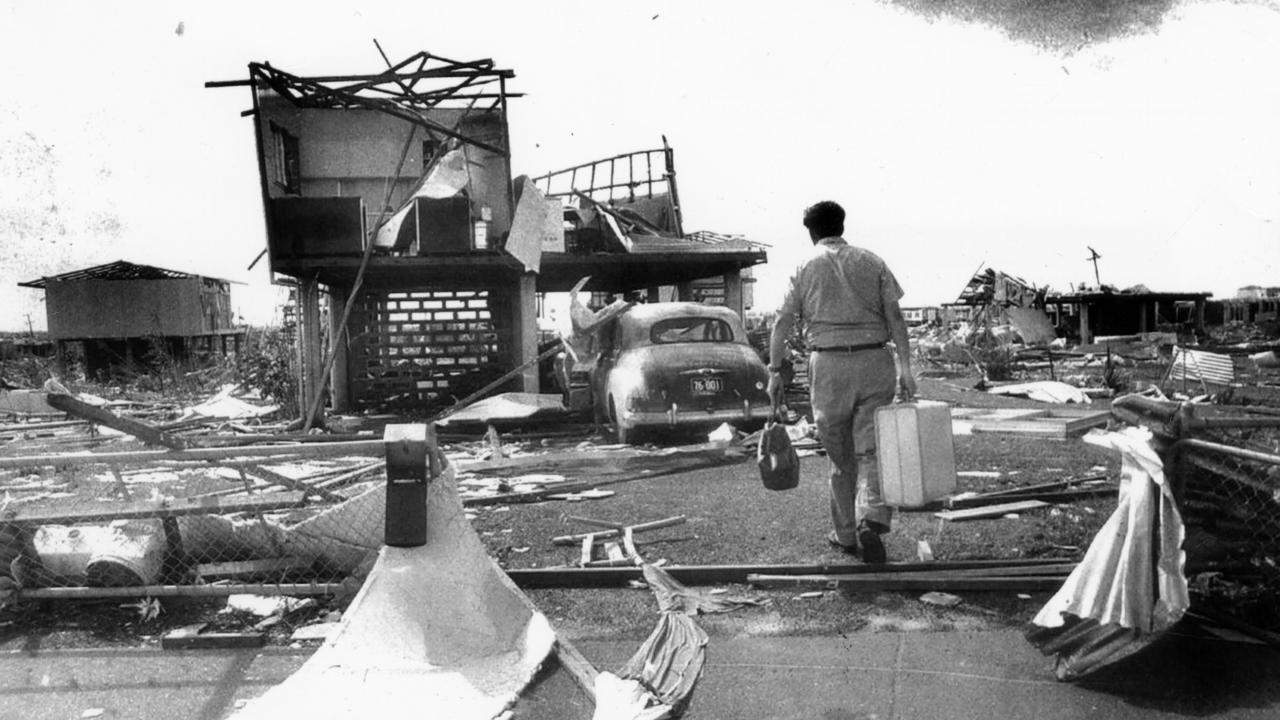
column 777, row 459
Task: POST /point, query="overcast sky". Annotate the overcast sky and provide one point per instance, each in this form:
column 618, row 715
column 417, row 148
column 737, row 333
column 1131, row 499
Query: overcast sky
column 953, row 143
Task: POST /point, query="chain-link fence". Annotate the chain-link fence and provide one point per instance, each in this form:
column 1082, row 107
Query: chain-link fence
column 295, row 519
column 1229, row 498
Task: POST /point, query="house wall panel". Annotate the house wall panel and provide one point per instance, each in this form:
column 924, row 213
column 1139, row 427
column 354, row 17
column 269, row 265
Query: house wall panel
column 355, row 152
column 125, row 308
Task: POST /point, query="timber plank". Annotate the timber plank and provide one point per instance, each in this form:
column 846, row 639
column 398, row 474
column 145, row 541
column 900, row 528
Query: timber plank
column 102, row 416
column 151, row 508
column 572, row 577
column 916, row 581
column 990, row 511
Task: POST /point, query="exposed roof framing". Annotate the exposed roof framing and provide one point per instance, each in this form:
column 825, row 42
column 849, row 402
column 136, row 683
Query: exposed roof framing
column 406, row 90
column 613, row 178
column 118, row 270
column 708, row 237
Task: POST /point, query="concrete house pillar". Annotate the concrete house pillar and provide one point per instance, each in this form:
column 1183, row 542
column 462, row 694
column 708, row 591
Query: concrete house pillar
column 525, row 330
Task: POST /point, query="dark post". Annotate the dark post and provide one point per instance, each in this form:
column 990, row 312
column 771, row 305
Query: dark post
column 408, row 457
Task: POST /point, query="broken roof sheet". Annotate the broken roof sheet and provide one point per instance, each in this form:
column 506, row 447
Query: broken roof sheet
column 118, row 270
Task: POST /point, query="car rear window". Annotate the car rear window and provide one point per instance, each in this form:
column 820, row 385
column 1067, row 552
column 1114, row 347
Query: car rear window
column 690, row 329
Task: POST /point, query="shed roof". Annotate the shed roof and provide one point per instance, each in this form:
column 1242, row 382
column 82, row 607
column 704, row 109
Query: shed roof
column 118, row 270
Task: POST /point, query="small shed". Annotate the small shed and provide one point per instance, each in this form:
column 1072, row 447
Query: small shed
column 122, row 311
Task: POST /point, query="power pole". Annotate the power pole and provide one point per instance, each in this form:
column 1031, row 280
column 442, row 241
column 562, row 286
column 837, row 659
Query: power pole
column 1094, row 258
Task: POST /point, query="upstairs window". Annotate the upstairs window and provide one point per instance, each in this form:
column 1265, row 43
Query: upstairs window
column 285, row 168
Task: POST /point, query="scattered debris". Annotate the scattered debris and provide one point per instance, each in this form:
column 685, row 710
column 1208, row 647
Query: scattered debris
column 1045, row 391
column 941, row 599
column 193, row 637
column 990, row 511
column 924, row 552
column 1053, row 423
column 618, row 532
column 506, row 406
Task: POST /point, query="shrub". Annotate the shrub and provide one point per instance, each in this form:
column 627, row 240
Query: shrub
column 267, row 363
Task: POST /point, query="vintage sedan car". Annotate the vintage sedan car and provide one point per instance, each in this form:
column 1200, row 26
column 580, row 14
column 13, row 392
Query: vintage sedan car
column 678, row 364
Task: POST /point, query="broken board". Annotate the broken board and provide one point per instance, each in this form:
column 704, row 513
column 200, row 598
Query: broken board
column 437, row 629
column 990, row 511
column 1056, row 423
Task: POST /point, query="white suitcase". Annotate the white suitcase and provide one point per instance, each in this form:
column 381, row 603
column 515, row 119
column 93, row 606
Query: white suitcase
column 916, row 451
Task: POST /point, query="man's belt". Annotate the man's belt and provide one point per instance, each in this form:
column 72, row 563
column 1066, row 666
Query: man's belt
column 850, row 348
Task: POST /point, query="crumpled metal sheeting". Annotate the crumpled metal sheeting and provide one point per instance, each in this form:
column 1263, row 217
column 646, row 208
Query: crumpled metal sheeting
column 674, row 596
column 437, row 629
column 658, row 680
column 1130, row 586
column 670, row 661
column 1082, row 646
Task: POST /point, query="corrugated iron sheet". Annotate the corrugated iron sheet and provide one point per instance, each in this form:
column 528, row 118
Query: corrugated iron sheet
column 1200, row 366
column 1130, row 586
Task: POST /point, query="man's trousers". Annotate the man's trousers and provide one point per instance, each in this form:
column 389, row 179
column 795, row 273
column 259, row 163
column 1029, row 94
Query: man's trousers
column 845, row 389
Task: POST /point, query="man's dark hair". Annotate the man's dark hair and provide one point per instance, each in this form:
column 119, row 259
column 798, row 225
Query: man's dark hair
column 824, row 219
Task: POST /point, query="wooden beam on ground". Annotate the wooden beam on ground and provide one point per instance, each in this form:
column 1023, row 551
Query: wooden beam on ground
column 249, row 568
column 578, row 667
column 300, row 485
column 86, row 593
column 1044, row 487
column 192, row 639
column 350, row 475
column 254, row 438
column 605, row 534
column 618, row 460
column 1067, row 491
column 597, row 523
column 562, row 488
column 572, row 577
column 364, row 447
column 102, row 416
column 177, row 507
column 27, row 427
column 990, row 511
column 913, row 582
column 1061, row 496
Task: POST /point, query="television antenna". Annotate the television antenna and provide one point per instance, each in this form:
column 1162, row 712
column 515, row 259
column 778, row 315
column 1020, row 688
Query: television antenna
column 1093, row 257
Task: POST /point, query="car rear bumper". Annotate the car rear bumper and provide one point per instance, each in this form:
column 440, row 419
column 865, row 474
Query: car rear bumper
column 675, row 416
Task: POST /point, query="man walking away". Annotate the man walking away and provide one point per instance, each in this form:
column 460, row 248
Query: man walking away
column 848, row 300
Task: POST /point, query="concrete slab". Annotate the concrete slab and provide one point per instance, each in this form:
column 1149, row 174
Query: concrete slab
column 128, row 684
column 901, row 675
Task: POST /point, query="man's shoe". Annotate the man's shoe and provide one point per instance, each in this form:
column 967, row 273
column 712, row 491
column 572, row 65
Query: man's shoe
column 834, row 541
column 872, row 548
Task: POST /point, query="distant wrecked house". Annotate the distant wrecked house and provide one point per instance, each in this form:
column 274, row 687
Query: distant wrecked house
column 390, row 195
column 1128, row 312
column 996, row 297
column 123, row 312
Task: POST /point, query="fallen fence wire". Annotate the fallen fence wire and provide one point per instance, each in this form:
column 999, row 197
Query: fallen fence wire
column 1229, row 498
column 280, row 519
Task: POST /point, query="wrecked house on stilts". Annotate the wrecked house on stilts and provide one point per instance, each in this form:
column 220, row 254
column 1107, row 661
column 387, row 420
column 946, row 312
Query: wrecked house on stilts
column 389, row 198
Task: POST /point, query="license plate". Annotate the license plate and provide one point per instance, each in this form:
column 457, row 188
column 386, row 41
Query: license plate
column 706, row 386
